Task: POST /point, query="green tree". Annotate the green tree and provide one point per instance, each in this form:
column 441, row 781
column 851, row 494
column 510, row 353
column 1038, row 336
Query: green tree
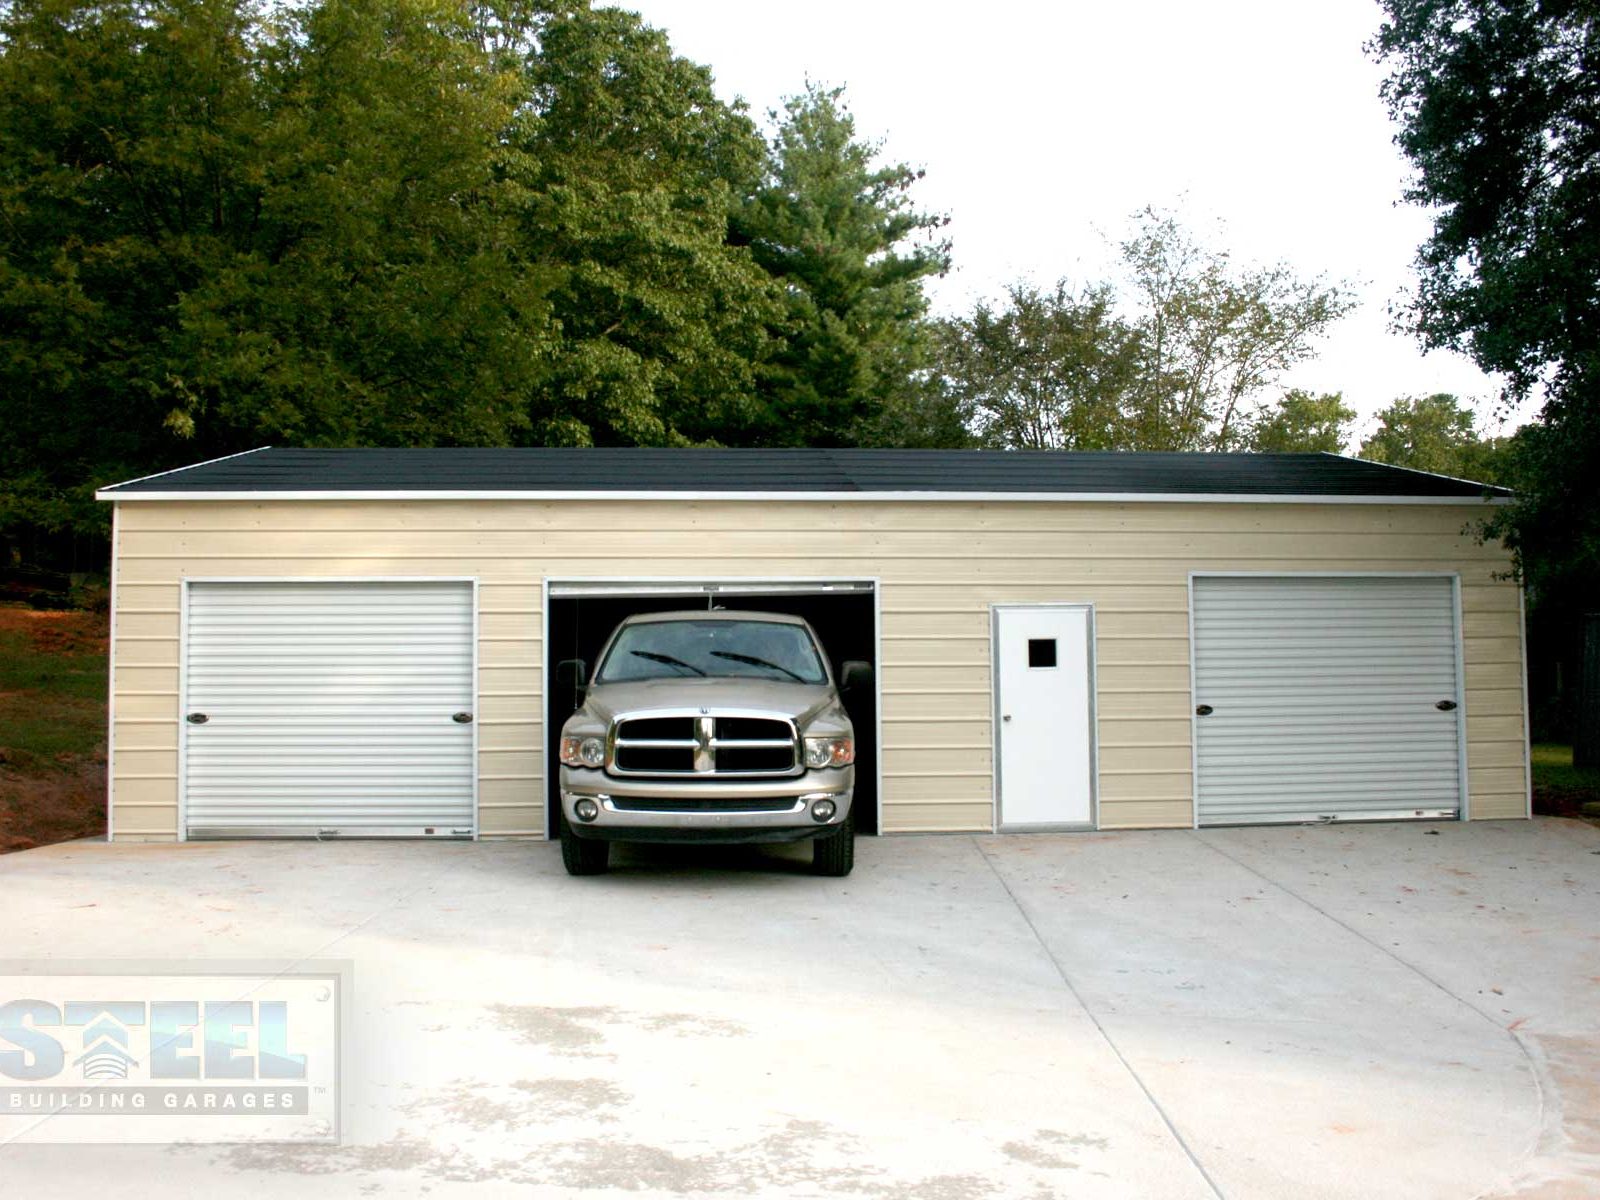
column 380, row 297
column 1213, row 335
column 1172, row 359
column 124, row 130
column 1496, row 103
column 222, row 228
column 840, row 234
column 637, row 171
column 1046, row 370
column 923, row 416
column 1302, row 422
column 1435, row 434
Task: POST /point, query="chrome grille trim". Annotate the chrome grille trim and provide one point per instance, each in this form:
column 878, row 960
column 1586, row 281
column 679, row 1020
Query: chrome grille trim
column 703, row 747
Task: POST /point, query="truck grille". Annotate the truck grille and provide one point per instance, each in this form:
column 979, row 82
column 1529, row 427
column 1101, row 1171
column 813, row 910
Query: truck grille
column 708, row 744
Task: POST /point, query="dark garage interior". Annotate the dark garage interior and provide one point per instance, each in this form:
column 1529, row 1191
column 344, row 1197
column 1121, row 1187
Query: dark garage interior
column 843, row 620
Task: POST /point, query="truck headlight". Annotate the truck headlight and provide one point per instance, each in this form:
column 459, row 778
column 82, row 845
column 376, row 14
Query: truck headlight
column 583, row 752
column 830, row 752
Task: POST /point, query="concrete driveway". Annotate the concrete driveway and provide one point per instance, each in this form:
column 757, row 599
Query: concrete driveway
column 1397, row 1011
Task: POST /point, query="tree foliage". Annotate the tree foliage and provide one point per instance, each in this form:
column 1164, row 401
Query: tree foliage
column 426, row 222
column 636, row 169
column 1175, row 356
column 222, row 228
column 841, row 235
column 1214, row 335
column 1437, row 434
column 1498, row 108
column 1302, row 422
column 1048, row 370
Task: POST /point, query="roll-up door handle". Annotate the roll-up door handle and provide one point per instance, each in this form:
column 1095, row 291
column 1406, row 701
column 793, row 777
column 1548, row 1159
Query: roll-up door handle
column 1203, row 710
column 1446, row 706
column 197, row 718
column 462, row 718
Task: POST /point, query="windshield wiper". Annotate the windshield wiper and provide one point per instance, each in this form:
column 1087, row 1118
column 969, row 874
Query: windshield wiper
column 668, row 659
column 756, row 662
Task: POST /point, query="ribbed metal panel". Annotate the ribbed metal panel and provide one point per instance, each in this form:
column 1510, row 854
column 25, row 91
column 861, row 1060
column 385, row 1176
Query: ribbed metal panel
column 329, row 709
column 1325, row 697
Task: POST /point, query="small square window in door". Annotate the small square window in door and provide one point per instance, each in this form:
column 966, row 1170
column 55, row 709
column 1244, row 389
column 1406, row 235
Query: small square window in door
column 1041, row 652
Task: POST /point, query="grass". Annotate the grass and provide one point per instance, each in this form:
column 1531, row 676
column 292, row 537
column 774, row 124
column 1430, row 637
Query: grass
column 52, row 726
column 1552, row 767
column 1560, row 788
column 50, row 703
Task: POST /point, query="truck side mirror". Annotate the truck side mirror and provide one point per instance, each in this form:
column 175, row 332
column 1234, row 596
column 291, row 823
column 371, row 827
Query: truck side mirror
column 854, row 673
column 572, row 673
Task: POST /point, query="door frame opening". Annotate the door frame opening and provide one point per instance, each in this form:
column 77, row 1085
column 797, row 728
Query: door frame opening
column 1464, row 805
column 694, row 590
column 1087, row 608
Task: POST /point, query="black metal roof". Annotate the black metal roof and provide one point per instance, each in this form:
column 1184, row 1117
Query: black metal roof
column 541, row 470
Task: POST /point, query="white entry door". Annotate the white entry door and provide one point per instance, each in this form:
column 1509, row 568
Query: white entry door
column 323, row 709
column 1044, row 675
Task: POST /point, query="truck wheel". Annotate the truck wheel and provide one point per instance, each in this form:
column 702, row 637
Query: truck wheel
column 583, row 856
column 835, row 854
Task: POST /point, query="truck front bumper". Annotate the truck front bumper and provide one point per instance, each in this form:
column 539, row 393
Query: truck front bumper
column 646, row 810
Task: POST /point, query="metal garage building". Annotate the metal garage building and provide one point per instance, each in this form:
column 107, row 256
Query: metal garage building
column 361, row 642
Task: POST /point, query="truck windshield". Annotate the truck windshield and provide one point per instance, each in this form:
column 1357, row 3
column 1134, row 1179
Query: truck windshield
column 712, row 649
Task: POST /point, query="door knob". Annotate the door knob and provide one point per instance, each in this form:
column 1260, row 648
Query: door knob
column 1007, row 717
column 1203, row 710
column 197, row 718
column 462, row 718
column 1446, row 706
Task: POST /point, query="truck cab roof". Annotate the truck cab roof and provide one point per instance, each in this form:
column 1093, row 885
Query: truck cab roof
column 714, row 614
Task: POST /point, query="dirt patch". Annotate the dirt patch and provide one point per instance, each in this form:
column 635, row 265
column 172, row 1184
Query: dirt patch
column 54, row 805
column 580, row 1032
column 1574, row 1065
column 574, row 1097
column 528, row 1102
column 786, row 1157
column 1050, row 1148
column 1561, row 789
column 52, row 726
column 567, row 1031
column 1551, row 800
column 693, row 1023
column 69, row 632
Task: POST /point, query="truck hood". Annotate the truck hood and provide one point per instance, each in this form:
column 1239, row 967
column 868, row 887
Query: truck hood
column 802, row 701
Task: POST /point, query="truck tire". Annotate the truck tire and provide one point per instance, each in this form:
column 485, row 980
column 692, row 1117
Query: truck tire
column 583, row 856
column 834, row 854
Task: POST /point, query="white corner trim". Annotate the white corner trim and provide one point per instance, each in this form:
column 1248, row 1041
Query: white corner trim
column 111, row 690
column 259, row 497
column 1527, row 716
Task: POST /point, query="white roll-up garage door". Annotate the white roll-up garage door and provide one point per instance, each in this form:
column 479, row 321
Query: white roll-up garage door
column 1326, row 698
column 317, row 709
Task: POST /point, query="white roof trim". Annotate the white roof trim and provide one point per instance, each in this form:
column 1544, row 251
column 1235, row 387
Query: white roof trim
column 1407, row 470
column 175, row 470
column 805, row 497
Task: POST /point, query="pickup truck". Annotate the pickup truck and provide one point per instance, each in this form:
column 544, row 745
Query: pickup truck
column 709, row 726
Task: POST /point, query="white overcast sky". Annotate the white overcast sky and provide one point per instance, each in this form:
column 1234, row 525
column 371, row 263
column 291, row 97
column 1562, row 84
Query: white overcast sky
column 1044, row 126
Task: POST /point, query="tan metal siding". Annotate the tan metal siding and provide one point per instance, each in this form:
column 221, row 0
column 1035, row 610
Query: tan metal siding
column 941, row 565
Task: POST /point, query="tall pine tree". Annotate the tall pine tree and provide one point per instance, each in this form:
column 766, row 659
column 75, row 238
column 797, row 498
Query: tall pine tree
column 840, row 233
